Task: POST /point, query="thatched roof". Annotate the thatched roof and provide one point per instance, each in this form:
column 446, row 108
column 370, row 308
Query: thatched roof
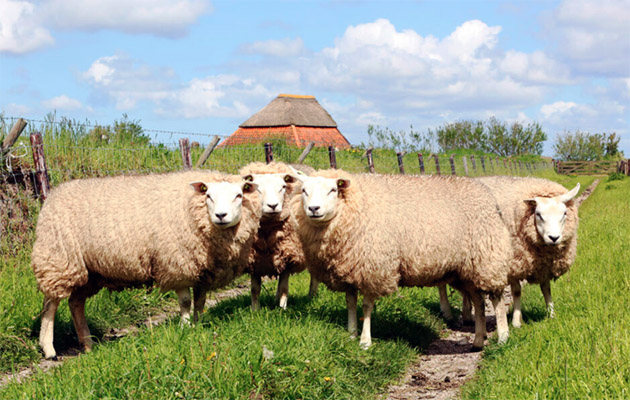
column 288, row 109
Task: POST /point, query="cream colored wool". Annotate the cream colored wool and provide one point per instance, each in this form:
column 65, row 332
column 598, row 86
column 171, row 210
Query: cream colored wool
column 277, row 249
column 395, row 230
column 533, row 260
column 128, row 231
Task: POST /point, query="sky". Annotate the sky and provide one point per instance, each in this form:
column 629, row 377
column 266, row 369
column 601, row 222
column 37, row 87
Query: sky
column 206, row 66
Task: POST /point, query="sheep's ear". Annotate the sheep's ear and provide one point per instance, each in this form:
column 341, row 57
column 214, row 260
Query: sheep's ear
column 343, row 184
column 288, row 178
column 568, row 196
column 249, row 187
column 199, row 187
column 531, row 202
column 249, row 178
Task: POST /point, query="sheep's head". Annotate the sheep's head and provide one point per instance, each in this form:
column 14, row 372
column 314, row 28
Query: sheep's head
column 550, row 215
column 320, row 197
column 224, row 200
column 275, row 190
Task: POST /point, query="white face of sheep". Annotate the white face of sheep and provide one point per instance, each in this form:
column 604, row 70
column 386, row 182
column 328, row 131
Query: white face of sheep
column 224, row 200
column 550, row 215
column 320, row 197
column 272, row 188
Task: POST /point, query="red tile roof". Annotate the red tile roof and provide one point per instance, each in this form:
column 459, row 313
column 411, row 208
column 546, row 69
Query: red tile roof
column 295, row 135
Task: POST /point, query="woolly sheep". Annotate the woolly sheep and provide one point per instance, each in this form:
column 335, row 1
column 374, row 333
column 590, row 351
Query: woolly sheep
column 542, row 217
column 179, row 230
column 374, row 233
column 277, row 251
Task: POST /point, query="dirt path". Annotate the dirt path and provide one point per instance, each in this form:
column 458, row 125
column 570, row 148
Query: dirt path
column 448, row 362
column 115, row 334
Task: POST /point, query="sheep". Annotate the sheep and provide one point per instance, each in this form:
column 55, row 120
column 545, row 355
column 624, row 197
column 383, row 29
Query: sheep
column 542, row 217
column 374, row 233
column 277, row 251
column 178, row 230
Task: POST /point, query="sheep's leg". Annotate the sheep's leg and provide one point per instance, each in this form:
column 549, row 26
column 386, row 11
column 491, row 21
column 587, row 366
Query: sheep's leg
column 282, row 294
column 500, row 310
column 366, row 334
column 76, row 302
column 467, row 316
column 199, row 296
column 546, row 291
column 480, row 319
column 517, row 318
column 46, row 332
column 183, row 297
column 312, row 290
column 445, row 307
column 256, row 283
column 351, row 304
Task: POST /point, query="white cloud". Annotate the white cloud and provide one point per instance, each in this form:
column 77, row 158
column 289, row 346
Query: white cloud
column 559, row 107
column 158, row 17
column 279, row 48
column 64, row 103
column 20, row 30
column 17, row 109
column 592, row 35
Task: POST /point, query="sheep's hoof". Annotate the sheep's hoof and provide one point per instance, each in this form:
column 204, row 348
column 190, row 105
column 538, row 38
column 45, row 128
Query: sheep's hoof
column 365, row 345
column 516, row 324
column 503, row 338
column 53, row 358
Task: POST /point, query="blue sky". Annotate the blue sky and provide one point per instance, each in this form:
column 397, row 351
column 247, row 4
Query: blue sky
column 206, row 66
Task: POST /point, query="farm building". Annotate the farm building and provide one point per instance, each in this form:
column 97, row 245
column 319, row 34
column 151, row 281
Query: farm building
column 295, row 118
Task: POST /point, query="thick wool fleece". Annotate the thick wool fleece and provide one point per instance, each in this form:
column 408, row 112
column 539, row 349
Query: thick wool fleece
column 277, row 247
column 130, row 230
column 533, row 259
column 392, row 231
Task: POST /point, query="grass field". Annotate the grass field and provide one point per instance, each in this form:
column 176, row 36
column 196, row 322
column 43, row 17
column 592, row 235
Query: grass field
column 305, row 352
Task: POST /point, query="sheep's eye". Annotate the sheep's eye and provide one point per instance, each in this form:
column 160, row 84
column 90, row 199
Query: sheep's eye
column 304, row 191
column 210, row 197
column 239, row 196
column 539, row 216
column 284, row 187
column 333, row 190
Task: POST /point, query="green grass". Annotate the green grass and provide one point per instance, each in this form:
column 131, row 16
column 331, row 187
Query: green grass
column 583, row 353
column 224, row 355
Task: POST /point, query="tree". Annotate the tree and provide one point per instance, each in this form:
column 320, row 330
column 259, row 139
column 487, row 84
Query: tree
column 581, row 146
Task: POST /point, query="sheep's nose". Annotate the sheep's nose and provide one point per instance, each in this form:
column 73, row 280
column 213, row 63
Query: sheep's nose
column 220, row 215
column 273, row 206
column 313, row 209
column 554, row 238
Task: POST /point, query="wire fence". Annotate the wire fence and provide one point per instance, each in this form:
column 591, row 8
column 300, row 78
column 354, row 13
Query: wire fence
column 52, row 152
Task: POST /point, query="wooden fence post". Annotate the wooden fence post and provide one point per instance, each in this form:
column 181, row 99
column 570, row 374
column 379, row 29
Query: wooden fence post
column 491, row 164
column 437, row 164
column 505, row 164
column 483, row 164
column 184, row 149
column 451, row 160
column 421, row 162
column 401, row 166
column 465, row 165
column 13, row 136
column 368, row 154
column 268, row 152
column 206, row 153
column 307, row 150
column 42, row 183
column 474, row 163
column 332, row 156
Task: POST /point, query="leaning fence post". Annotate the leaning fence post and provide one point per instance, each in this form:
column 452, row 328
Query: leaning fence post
column 437, row 164
column 206, row 153
column 13, row 136
column 401, row 166
column 332, row 156
column 370, row 159
column 42, row 183
column 465, row 165
column 421, row 162
column 307, row 150
column 483, row 164
column 268, row 152
column 451, row 160
column 184, row 149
